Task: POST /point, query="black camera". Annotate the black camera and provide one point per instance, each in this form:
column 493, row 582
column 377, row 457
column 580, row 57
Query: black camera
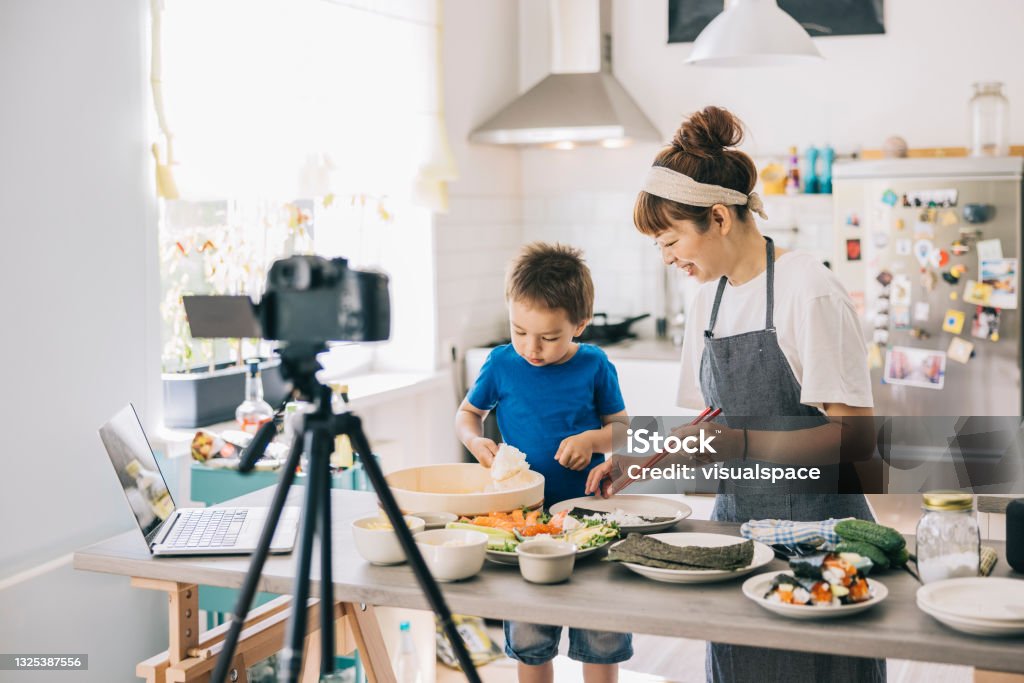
column 308, row 299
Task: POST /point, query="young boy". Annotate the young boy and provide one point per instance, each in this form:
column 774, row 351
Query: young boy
column 557, row 401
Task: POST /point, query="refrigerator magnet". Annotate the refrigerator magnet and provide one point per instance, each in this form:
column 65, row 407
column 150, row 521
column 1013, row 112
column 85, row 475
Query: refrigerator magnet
column 959, row 247
column 899, row 224
column 929, row 279
column 925, row 368
column 948, row 218
column 853, row 220
column 880, row 239
column 923, row 230
column 953, row 322
column 921, row 311
column 884, row 278
column 922, row 250
column 901, row 317
column 874, row 356
column 989, row 249
column 985, row 324
column 960, row 350
column 904, row 247
column 978, row 293
column 920, row 333
column 1001, row 274
column 889, row 197
column 853, row 251
column 900, row 290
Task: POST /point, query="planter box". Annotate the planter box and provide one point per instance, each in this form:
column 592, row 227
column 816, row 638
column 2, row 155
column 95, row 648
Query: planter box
column 197, row 399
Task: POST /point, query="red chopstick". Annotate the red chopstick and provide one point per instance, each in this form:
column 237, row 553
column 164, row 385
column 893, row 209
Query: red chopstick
column 707, row 414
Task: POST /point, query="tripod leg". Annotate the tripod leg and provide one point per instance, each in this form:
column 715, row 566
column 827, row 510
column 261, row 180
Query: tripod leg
column 324, row 443
column 353, row 427
column 295, row 634
column 259, row 557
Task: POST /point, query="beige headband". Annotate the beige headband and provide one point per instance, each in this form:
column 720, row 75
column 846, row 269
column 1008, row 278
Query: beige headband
column 668, row 184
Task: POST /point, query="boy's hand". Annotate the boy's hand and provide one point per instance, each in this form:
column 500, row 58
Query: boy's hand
column 575, row 452
column 483, row 449
column 599, row 479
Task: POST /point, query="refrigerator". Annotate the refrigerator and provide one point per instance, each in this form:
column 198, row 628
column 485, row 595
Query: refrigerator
column 929, row 251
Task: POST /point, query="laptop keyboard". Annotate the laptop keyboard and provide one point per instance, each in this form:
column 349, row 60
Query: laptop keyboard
column 206, row 528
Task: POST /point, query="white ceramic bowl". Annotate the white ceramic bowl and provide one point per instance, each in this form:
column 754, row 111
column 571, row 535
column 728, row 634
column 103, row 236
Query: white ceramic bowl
column 453, row 554
column 381, row 546
column 546, row 561
column 461, row 488
column 436, row 520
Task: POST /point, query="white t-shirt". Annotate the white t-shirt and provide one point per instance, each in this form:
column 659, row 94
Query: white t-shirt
column 817, row 327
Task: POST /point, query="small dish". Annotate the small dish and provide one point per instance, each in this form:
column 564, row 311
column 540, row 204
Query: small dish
column 377, row 542
column 452, row 554
column 546, row 561
column 436, row 520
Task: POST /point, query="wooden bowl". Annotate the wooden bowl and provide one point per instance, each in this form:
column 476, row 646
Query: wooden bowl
column 459, row 488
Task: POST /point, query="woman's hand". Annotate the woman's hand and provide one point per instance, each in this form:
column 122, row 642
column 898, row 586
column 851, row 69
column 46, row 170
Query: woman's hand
column 575, row 452
column 483, row 449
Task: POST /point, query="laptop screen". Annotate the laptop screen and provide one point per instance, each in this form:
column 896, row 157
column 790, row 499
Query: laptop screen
column 137, row 470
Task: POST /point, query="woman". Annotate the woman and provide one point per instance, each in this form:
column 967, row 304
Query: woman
column 773, row 341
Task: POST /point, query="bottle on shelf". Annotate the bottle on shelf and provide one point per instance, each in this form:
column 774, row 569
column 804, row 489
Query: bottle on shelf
column 793, row 173
column 812, row 183
column 343, row 455
column 152, row 488
column 406, row 664
column 828, row 155
column 253, row 411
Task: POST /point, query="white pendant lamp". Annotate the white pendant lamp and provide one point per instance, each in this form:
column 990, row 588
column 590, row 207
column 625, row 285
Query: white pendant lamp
column 753, row 33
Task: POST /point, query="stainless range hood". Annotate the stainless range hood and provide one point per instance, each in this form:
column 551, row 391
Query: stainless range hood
column 580, row 102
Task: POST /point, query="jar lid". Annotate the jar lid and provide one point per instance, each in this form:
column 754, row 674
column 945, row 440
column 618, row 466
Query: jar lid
column 948, row 500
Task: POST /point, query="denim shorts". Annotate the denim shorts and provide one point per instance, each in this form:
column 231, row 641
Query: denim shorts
column 538, row 644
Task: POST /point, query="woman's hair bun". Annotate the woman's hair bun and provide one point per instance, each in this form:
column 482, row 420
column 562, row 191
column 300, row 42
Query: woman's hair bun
column 708, row 132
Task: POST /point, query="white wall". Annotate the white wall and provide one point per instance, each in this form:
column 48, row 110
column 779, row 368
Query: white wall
column 479, row 234
column 78, row 278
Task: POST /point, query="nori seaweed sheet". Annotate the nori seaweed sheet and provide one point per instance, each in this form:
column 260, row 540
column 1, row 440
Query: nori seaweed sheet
column 580, row 513
column 654, row 553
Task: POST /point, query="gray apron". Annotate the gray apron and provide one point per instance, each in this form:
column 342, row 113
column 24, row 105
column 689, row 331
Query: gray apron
column 749, row 378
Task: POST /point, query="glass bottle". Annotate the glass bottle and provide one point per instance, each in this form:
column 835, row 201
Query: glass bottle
column 152, row 488
column 948, row 539
column 406, row 664
column 990, row 121
column 793, row 174
column 343, row 455
column 253, row 411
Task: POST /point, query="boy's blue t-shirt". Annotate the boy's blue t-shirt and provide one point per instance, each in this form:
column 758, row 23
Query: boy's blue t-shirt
column 538, row 407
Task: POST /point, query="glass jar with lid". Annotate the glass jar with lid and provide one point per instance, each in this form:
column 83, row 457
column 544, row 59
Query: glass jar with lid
column 948, row 540
column 990, row 121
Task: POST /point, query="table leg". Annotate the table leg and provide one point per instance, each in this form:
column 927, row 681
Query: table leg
column 370, row 642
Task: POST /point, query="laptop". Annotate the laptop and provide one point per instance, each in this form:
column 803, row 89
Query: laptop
column 173, row 531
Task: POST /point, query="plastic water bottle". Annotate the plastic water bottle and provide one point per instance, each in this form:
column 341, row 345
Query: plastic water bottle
column 406, row 664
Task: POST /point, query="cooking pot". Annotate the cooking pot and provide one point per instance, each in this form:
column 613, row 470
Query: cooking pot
column 605, row 329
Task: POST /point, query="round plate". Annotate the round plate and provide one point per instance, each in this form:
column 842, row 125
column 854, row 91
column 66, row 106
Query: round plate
column 647, row 506
column 756, row 586
column 762, row 556
column 976, row 627
column 976, row 598
column 512, row 558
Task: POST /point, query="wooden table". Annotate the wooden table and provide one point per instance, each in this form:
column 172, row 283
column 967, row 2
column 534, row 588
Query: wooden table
column 599, row 596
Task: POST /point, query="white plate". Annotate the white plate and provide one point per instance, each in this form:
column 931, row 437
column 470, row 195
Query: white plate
column 762, row 556
column 756, row 586
column 979, row 598
column 976, row 627
column 647, row 506
column 513, row 559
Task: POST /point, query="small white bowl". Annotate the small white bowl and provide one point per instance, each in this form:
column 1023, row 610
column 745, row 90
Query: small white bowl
column 380, row 545
column 453, row 554
column 436, row 520
column 546, row 561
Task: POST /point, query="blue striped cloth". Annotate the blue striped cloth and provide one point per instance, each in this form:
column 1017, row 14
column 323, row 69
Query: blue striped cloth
column 772, row 531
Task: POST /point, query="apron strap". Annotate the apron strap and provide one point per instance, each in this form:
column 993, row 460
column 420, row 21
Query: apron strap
column 769, row 248
column 710, row 332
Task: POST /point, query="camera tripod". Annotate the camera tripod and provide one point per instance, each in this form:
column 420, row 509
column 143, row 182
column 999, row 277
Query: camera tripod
column 320, row 427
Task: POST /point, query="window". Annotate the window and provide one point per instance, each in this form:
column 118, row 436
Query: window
column 297, row 126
